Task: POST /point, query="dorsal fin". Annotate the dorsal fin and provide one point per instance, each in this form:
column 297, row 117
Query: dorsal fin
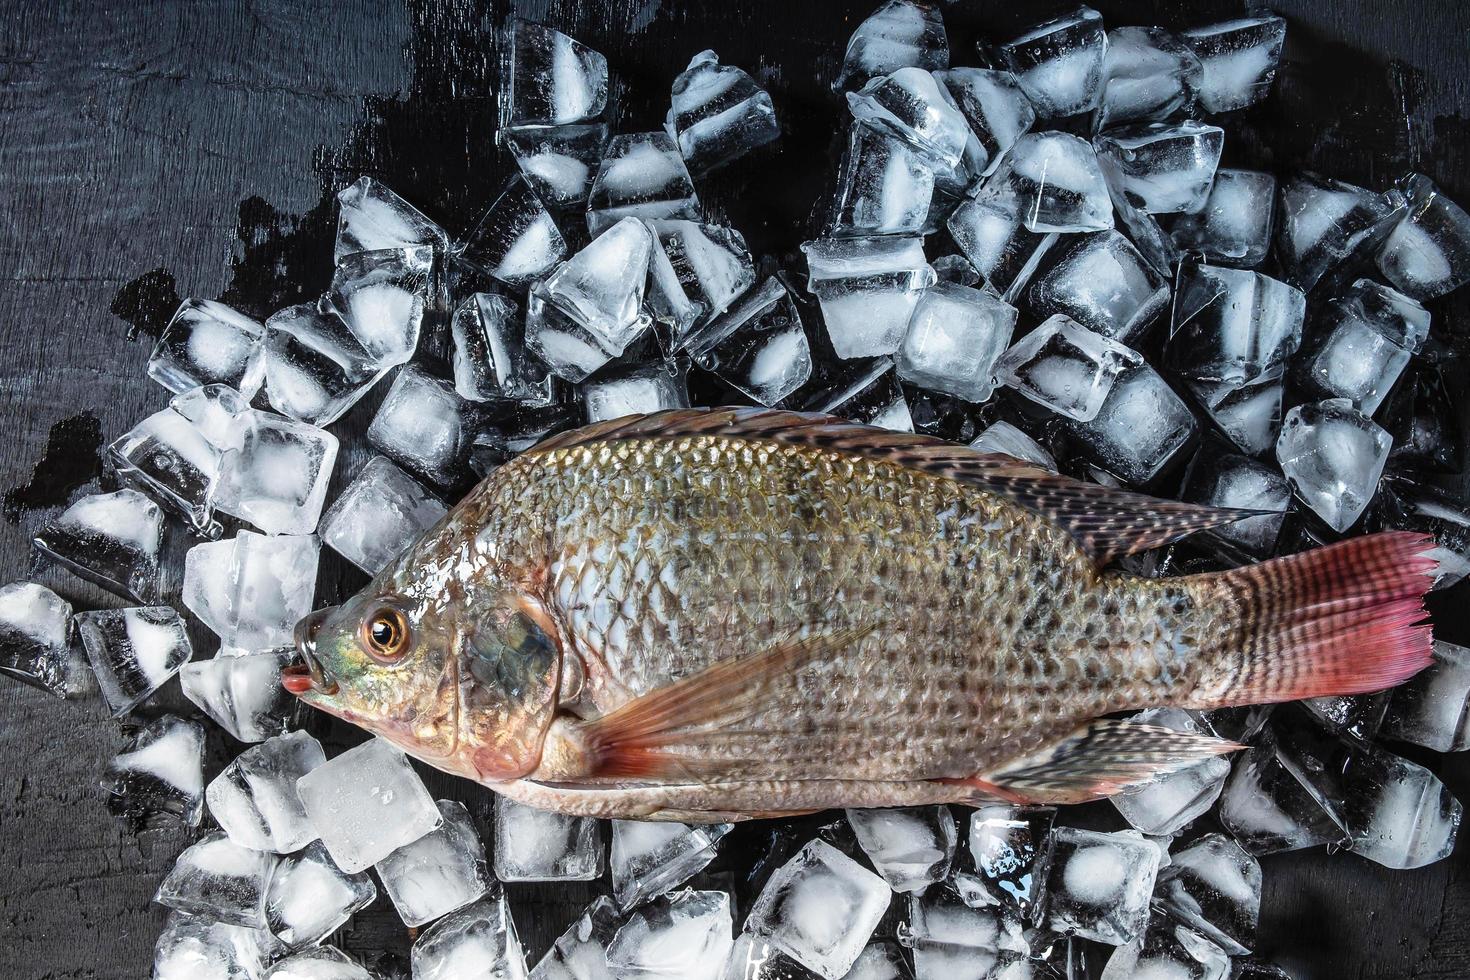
column 1106, row 522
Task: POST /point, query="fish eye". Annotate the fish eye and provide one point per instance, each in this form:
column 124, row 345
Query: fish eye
column 385, row 634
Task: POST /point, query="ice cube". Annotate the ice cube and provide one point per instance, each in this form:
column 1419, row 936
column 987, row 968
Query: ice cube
column 380, row 513
column 315, row 369
column 207, row 343
column 820, row 908
column 1065, row 367
column 651, row 858
column 1059, row 63
column 899, row 34
column 380, row 296
column 719, row 114
column 195, row 948
column 1170, row 803
column 1054, row 182
column 254, row 799
column 516, row 241
column 538, row 845
column 1238, row 59
column 219, row 879
column 580, row 953
column 1427, row 253
column 112, row 539
column 1103, row 283
column 641, row 175
column 1163, row 168
column 910, row 105
column 753, row 958
column 309, row 897
column 1427, row 434
column 602, row 286
column 911, row 847
column 552, row 78
column 243, row 694
column 879, row 961
column 491, row 362
column 696, row 272
column 1358, row 715
column 758, row 346
column 868, row 288
column 1249, row 414
column 1142, row 427
column 1367, row 336
column 1323, row 221
column 252, row 589
column 954, row 337
column 1233, row 226
column 1099, row 884
column 1430, row 709
column 993, row 235
column 687, row 935
column 1148, row 74
column 167, row 457
column 873, row 396
column 1397, row 813
column 1010, row 848
column 1333, row 456
column 505, row 434
column 160, row 771
column 956, row 941
column 1270, row 805
column 371, row 217
column 558, row 162
column 133, row 651
column 423, row 425
column 366, row 803
column 1167, row 949
column 639, row 390
column 1407, row 505
column 1003, row 437
column 277, row 479
column 994, row 105
column 477, row 941
column 321, row 963
column 442, row 871
column 1214, row 888
column 1232, row 480
column 883, row 187
column 35, row 634
column 1232, row 325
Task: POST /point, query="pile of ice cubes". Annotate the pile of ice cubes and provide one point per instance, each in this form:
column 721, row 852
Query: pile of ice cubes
column 1040, row 255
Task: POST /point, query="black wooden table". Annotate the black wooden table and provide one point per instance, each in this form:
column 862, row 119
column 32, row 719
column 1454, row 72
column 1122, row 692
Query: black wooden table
column 152, row 149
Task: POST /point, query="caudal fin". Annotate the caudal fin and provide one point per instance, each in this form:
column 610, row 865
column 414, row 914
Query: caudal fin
column 1343, row 619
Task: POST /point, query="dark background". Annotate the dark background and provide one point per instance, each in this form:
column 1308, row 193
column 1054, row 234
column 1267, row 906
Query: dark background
column 154, row 150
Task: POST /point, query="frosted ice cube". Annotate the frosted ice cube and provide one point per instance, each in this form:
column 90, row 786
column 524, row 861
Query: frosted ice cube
column 133, row 651
column 901, row 33
column 380, row 513
column 1333, row 456
column 254, row 799
column 195, row 948
column 642, row 175
column 1269, row 804
column 910, row 105
column 883, row 187
column 878, row 961
column 252, row 589
column 1249, row 414
column 168, row 458
column 719, row 113
column 424, row 426
column 1430, row 709
column 558, row 162
column 243, row 694
column 696, row 272
column 477, row 941
column 371, row 217
column 639, row 390
column 490, row 359
column 1010, row 848
column 321, row 963
column 758, row 346
column 1366, row 339
column 994, row 105
column 1170, row 803
column 868, row 288
column 1232, row 325
column 35, row 630
column 956, row 941
column 219, row 879
column 820, row 908
column 1053, row 181
column 1322, row 221
column 1427, row 253
column 278, row 478
column 1163, row 168
column 993, row 235
column 309, row 897
column 911, row 847
column 1104, row 284
column 1099, row 884
column 1167, row 949
column 1238, row 58
column 516, row 240
column 602, row 286
column 1214, row 888
column 1141, row 427
column 1003, row 437
column 1231, row 480
column 315, row 369
column 442, row 871
column 1065, row 367
column 687, row 935
column 366, row 803
column 112, row 539
column 380, row 296
column 207, row 343
column 552, row 78
column 872, row 396
column 160, row 771
column 580, row 953
column 538, row 845
column 651, row 857
column 1060, row 63
column 954, row 337
column 1397, row 812
column 1148, row 74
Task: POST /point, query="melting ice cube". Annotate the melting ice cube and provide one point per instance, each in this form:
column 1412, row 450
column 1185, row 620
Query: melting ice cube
column 911, row 847
column 1167, row 949
column 277, row 479
column 112, row 539
column 1065, row 367
column 251, row 589
column 1214, row 888
column 1323, row 221
column 1053, row 181
column 380, row 513
column 35, row 630
column 1238, row 58
column 952, row 939
column 719, row 114
column 254, row 799
column 160, row 771
column 243, row 694
column 309, row 897
column 195, row 948
column 423, row 425
column 539, row 845
column 442, row 871
column 910, row 105
column 650, row 858
column 868, row 288
column 1398, row 813
column 380, row 296
column 580, row 953
column 687, row 935
column 1427, row 253
column 1232, row 325
column 899, row 34
column 315, row 369
column 883, row 187
column 320, row 963
column 1163, row 168
column 1430, row 709
column 602, row 286
column 1233, row 226
column 1333, row 455
column 1099, row 885
column 642, row 175
column 167, row 457
column 476, row 941
column 696, row 272
column 993, row 235
column 1010, row 848
column 639, row 390
column 490, row 357
column 1060, row 63
column 1271, row 805
column 516, row 241
column 371, row 217
column 1170, row 803
column 758, row 346
column 219, row 879
column 995, row 106
column 1148, row 74
column 1104, row 284
column 558, row 162
column 1366, row 338
column 133, row 651
column 208, row 343
column 1232, row 480
column 953, row 339
column 1249, row 413
column 553, row 78
column 1141, row 427
column 872, row 396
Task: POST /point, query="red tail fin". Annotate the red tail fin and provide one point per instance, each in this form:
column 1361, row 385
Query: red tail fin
column 1344, row 619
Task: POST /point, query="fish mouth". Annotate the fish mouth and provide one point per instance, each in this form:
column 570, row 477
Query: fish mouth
column 309, row 676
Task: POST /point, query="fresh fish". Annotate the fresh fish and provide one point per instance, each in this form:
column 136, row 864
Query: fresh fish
column 711, row 614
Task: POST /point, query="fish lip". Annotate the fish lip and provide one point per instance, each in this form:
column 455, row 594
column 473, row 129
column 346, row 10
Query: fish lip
column 309, row 677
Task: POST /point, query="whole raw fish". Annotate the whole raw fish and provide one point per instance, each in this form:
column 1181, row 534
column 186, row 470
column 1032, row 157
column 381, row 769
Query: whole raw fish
column 713, row 614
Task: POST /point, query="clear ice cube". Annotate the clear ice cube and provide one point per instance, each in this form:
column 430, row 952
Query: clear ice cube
column 1163, row 168
column 1232, row 325
column 208, row 343
column 1233, row 226
column 872, row 396
column 1167, row 949
column 820, row 908
column 1270, row 804
column 719, row 114
column 1409, row 505
column 910, row 105
column 516, row 241
column 1065, row 367
column 254, row 799
column 752, row 958
column 168, row 458
column 687, row 935
column 696, row 272
column 424, row 426
column 1003, row 437
column 160, row 771
column 133, row 651
column 558, row 162
column 1238, row 58
column 1010, row 854
column 442, row 871
column 112, row 539
column 252, row 589
column 1430, row 709
column 957, row 941
column 1232, row 480
column 993, row 235
column 602, row 286
column 1398, row 813
column 221, row 880
column 380, row 296
column 380, row 513
column 243, row 694
column 1321, row 221
column 911, row 847
column 641, row 175
column 1059, row 63
column 638, row 390
column 309, row 897
column 277, row 479
column 1214, row 888
column 1142, row 426
column 477, row 941
column 35, row 638
column 552, row 79
column 1249, row 414
column 490, row 359
column 319, row 963
column 1366, row 338
column 758, row 346
column 995, row 106
column 954, row 337
column 650, row 858
column 1427, row 253
column 539, row 845
column 1099, row 884
column 1170, row 803
column 1053, row 181
column 1333, row 456
column 315, row 369
column 868, row 288
column 580, row 953
column 878, row 961
column 899, row 34
column 195, row 948
column 883, row 187
column 1103, row 283
column 371, row 217
column 1148, row 74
